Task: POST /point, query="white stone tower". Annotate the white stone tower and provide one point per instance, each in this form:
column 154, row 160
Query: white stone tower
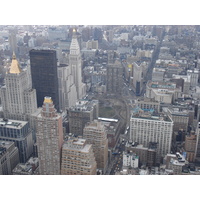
column 75, row 64
column 18, row 98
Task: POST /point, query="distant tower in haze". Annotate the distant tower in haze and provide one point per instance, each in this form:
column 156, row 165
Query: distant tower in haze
column 44, row 75
column 49, row 138
column 76, row 68
column 13, row 41
column 18, row 97
column 115, row 78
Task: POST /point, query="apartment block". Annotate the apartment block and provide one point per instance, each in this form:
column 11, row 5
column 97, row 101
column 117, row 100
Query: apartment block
column 78, row 158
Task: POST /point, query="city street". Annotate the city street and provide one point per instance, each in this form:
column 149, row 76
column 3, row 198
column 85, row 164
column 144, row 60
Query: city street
column 118, row 159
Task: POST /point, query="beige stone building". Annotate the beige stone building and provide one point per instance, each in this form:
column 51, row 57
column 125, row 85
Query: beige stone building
column 78, row 158
column 17, row 96
column 49, row 138
column 95, row 134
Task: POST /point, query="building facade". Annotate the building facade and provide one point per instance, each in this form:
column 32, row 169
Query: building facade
column 115, row 78
column 78, row 158
column 84, row 111
column 190, row 144
column 179, row 116
column 130, row 160
column 147, row 156
column 95, row 134
column 67, row 88
column 9, row 157
column 44, row 75
column 49, row 138
column 145, row 128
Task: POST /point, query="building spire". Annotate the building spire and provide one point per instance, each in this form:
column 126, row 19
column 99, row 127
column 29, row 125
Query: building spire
column 48, row 109
column 74, row 46
column 14, row 56
column 15, row 68
column 74, row 30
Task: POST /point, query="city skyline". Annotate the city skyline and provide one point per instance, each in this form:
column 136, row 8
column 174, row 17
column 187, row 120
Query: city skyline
column 152, row 87
column 124, row 76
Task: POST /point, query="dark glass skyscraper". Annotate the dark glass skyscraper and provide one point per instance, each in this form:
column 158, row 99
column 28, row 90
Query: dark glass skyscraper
column 44, row 75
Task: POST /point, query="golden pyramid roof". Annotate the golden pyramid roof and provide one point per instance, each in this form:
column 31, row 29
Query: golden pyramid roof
column 15, row 68
column 47, row 100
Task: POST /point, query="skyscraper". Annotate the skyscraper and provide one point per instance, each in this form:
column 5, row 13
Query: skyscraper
column 95, row 134
column 78, row 158
column 44, row 75
column 76, row 68
column 115, row 78
column 18, row 97
column 67, row 88
column 49, row 138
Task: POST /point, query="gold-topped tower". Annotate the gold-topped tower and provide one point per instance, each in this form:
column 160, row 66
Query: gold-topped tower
column 15, row 68
column 48, row 100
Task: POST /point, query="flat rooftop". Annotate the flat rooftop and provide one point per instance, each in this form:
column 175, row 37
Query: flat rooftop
column 142, row 114
column 152, row 117
column 16, row 124
column 84, row 105
column 4, row 145
column 163, row 85
column 77, row 144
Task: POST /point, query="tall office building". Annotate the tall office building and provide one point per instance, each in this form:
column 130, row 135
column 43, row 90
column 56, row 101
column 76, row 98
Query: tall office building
column 78, row 158
column 49, row 138
column 44, row 75
column 137, row 80
column 76, row 68
column 67, row 88
column 95, row 134
column 18, row 97
column 115, row 78
column 146, row 127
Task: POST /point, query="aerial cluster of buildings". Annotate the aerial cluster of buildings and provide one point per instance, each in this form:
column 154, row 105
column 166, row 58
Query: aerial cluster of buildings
column 58, row 79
